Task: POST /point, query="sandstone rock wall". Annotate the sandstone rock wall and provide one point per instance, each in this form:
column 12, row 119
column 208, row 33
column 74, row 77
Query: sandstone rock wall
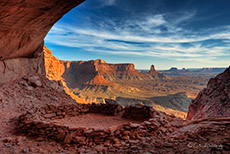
column 17, row 68
column 213, row 101
column 25, row 23
column 54, row 67
column 159, row 133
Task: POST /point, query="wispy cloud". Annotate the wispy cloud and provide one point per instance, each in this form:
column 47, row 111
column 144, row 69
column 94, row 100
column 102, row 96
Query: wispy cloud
column 108, row 2
column 154, row 36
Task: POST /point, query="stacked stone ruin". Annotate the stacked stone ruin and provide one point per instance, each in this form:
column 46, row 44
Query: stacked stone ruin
column 39, row 124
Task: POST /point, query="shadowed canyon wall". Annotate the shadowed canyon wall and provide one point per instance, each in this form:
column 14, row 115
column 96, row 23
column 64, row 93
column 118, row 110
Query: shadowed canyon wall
column 213, row 101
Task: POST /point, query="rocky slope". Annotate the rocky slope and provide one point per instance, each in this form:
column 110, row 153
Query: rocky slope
column 213, row 101
column 179, row 101
column 176, row 104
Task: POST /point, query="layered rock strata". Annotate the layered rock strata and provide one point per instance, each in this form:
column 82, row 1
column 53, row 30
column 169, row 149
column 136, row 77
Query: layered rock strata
column 95, row 72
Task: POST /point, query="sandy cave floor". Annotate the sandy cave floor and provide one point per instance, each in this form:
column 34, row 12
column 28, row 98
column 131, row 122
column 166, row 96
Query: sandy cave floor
column 93, row 120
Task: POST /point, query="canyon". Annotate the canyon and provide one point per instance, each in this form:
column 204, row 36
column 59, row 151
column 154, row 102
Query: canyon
column 35, row 111
column 95, row 80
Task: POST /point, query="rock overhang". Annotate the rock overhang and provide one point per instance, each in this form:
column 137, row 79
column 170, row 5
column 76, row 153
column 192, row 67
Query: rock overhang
column 24, row 24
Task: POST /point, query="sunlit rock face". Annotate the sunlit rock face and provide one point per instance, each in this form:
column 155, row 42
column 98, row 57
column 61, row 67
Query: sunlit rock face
column 213, row 101
column 23, row 26
column 93, row 72
column 54, row 67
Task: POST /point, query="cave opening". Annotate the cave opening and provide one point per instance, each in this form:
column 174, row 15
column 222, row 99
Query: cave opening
column 108, row 51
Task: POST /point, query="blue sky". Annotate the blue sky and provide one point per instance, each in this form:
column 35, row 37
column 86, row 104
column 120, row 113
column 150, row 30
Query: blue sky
column 166, row 33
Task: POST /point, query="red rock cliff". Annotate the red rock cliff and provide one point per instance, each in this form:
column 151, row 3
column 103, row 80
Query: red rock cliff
column 53, row 66
column 153, row 70
column 213, row 101
column 153, row 73
column 95, row 72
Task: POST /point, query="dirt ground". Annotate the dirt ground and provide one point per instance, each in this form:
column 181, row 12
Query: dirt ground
column 92, row 120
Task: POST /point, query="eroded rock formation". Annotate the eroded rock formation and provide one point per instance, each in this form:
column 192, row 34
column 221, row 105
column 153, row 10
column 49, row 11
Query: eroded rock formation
column 82, row 78
column 154, row 73
column 213, row 101
column 153, row 70
column 94, row 72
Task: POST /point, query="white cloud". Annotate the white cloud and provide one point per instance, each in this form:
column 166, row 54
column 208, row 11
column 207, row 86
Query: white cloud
column 226, row 41
column 132, row 37
column 151, row 22
column 145, row 38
